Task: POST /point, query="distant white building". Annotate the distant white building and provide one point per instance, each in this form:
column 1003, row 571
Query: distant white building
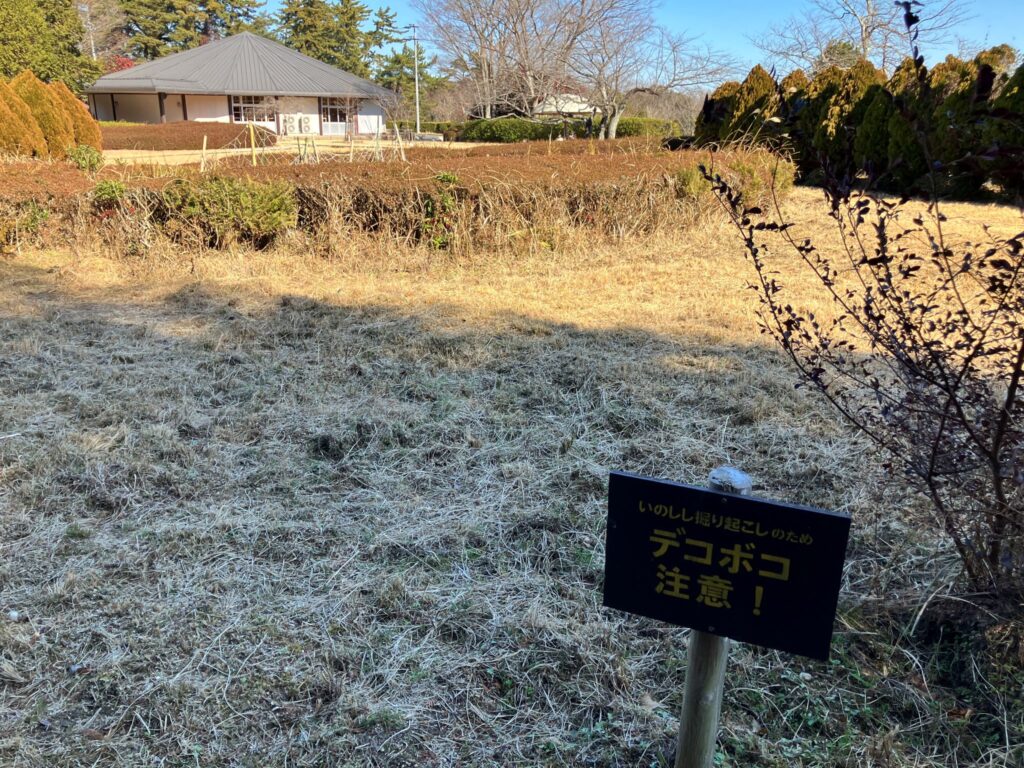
column 244, row 78
column 564, row 105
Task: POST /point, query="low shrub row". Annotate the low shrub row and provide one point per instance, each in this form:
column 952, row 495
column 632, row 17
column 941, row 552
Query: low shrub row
column 432, row 126
column 471, row 207
column 650, row 127
column 509, row 129
column 182, row 135
column 513, row 129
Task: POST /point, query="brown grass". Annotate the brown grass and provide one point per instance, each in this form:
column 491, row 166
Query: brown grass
column 265, row 509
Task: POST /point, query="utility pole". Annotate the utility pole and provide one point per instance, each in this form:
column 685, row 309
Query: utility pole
column 416, row 74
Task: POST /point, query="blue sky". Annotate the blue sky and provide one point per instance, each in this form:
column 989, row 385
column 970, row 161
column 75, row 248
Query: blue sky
column 728, row 25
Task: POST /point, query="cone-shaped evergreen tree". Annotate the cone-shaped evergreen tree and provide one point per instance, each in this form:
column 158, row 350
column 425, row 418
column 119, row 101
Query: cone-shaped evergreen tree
column 713, row 121
column 871, row 143
column 48, row 112
column 21, row 134
column 85, row 129
column 756, row 101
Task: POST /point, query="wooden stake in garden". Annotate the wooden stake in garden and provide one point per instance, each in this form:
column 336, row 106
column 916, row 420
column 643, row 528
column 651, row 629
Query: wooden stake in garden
column 706, row 660
column 398, row 139
column 202, row 159
column 252, row 142
column 726, row 565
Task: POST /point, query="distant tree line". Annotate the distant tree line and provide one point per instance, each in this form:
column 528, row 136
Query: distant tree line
column 949, row 129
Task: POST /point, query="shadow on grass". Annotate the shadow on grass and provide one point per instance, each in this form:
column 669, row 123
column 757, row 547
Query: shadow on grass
column 252, row 531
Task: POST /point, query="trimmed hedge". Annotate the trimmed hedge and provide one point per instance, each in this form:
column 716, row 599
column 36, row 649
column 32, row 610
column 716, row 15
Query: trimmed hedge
column 648, row 127
column 431, row 126
column 49, row 112
column 509, row 129
column 87, row 132
column 181, row 135
column 514, row 129
column 19, row 132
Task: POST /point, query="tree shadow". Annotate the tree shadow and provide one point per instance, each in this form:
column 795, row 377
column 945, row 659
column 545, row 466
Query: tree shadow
column 321, row 533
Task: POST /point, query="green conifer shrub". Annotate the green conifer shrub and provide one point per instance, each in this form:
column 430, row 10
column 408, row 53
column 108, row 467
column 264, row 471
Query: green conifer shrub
column 834, row 136
column 820, row 93
column 1004, row 132
column 86, row 130
column 713, row 121
column 49, row 112
column 871, row 143
column 755, row 101
column 908, row 126
column 19, row 135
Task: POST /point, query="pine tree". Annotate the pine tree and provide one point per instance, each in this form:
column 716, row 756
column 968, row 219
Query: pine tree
column 396, row 72
column 308, row 27
column 149, row 25
column 229, row 17
column 338, row 33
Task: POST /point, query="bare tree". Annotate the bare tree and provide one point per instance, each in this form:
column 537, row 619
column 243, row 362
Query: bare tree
column 539, row 39
column 468, row 32
column 625, row 53
column 873, row 28
column 679, row 106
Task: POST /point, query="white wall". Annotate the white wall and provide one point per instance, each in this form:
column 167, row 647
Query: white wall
column 136, row 107
column 371, row 118
column 101, row 106
column 172, row 108
column 208, row 109
column 294, row 110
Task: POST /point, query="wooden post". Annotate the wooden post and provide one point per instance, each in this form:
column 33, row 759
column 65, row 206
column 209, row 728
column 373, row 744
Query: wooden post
column 252, row 141
column 351, row 147
column 202, row 161
column 398, row 138
column 705, row 667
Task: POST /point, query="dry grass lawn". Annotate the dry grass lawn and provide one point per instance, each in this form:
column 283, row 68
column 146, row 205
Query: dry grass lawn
column 266, row 510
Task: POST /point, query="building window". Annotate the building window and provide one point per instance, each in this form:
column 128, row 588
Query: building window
column 335, row 110
column 253, row 109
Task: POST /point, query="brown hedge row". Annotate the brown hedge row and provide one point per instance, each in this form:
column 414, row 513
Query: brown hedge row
column 184, row 135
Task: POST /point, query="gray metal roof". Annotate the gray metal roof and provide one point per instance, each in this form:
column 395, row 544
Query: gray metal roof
column 240, row 65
